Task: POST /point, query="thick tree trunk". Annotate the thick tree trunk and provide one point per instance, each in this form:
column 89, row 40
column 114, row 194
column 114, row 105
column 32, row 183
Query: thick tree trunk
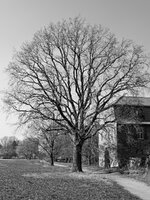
column 77, row 158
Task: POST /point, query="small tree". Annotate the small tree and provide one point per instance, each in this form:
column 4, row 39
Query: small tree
column 28, row 148
column 91, row 150
column 46, row 133
column 8, row 147
column 63, row 148
column 72, row 73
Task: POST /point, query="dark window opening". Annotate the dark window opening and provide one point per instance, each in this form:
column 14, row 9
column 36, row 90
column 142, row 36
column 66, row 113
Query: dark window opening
column 140, row 133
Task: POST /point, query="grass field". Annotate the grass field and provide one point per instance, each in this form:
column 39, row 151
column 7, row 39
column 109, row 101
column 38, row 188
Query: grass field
column 33, row 180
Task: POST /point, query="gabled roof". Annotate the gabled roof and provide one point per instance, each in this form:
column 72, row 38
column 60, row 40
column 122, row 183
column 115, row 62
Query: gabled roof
column 134, row 101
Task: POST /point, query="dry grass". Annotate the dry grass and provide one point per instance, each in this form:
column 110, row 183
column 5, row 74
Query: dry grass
column 32, row 180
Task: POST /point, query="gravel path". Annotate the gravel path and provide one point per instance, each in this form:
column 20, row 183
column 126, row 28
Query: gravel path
column 135, row 187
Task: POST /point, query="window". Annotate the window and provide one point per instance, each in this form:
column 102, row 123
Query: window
column 140, row 133
column 140, row 114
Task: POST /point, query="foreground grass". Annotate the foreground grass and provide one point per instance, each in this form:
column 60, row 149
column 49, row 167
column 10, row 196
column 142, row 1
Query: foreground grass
column 31, row 180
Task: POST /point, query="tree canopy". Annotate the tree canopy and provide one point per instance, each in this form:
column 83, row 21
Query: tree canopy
column 73, row 73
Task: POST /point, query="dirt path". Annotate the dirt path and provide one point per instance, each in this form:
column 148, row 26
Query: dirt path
column 137, row 188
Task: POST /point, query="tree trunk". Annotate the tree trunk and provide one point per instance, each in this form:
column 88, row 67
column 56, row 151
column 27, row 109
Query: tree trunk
column 51, row 156
column 77, row 158
column 107, row 159
column 147, row 173
column 52, row 159
column 148, row 176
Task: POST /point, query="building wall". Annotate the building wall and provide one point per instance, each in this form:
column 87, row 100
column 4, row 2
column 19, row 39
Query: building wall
column 119, row 141
column 107, row 139
column 146, row 112
column 132, row 142
column 147, row 130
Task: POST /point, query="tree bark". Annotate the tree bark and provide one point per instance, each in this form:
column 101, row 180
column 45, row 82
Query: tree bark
column 52, row 159
column 77, row 158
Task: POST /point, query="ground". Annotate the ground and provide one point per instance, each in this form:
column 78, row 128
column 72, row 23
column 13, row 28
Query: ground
column 34, row 180
column 135, row 187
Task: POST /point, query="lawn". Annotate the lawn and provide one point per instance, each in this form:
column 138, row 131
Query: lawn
column 33, row 180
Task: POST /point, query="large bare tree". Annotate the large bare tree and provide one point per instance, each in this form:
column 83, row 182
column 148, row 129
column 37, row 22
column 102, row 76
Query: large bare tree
column 73, row 73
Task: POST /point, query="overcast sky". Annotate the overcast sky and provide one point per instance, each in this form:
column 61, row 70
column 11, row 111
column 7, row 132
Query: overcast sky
column 20, row 19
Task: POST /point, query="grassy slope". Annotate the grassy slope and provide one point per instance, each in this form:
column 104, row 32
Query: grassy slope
column 45, row 183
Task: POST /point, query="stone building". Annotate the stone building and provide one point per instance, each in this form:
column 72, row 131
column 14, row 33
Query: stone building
column 129, row 137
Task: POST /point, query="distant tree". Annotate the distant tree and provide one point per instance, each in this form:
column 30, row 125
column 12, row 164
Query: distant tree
column 46, row 132
column 8, row 147
column 47, row 144
column 91, row 150
column 72, row 73
column 28, row 148
column 63, row 148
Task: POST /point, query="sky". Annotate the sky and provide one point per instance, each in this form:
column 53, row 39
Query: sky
column 20, row 19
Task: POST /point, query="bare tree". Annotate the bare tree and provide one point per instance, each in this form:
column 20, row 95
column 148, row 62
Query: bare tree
column 91, row 150
column 46, row 134
column 73, row 73
column 8, row 146
column 28, row 148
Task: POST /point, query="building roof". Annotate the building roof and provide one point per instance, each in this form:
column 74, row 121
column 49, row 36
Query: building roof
column 134, row 101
